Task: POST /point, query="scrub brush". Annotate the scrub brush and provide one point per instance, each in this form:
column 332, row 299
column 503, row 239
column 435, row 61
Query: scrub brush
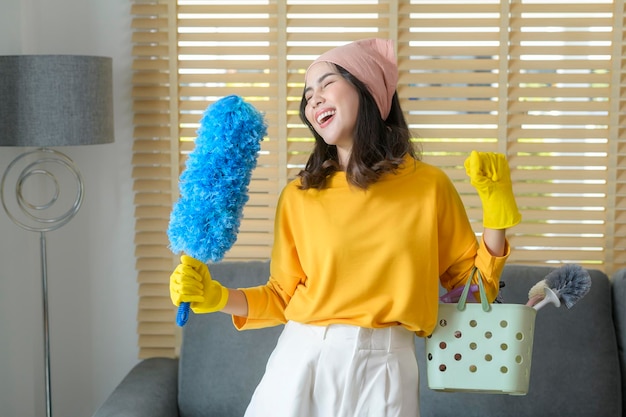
column 566, row 285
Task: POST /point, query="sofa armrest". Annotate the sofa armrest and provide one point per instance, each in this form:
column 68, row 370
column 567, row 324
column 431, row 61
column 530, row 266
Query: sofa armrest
column 618, row 292
column 149, row 390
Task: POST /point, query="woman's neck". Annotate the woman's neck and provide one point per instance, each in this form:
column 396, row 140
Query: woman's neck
column 343, row 156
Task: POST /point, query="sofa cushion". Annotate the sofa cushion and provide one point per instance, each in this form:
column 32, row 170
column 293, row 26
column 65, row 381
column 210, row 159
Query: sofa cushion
column 575, row 369
column 220, row 366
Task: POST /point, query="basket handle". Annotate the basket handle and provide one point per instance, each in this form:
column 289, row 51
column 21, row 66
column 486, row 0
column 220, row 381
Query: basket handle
column 483, row 296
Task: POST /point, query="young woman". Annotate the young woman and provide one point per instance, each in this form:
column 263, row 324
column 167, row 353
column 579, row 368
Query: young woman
column 363, row 238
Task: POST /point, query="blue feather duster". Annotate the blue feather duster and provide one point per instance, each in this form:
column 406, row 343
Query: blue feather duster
column 214, row 185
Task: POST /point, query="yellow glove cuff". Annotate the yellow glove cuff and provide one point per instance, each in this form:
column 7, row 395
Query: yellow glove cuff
column 500, row 210
column 215, row 299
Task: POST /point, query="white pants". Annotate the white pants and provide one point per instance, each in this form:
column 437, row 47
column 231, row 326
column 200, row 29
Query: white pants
column 339, row 371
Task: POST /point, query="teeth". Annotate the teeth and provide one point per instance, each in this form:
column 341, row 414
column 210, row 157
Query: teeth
column 324, row 115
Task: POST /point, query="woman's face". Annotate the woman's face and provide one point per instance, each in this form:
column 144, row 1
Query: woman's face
column 332, row 105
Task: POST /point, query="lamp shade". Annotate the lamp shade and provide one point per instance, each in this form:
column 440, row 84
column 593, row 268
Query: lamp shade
column 55, row 100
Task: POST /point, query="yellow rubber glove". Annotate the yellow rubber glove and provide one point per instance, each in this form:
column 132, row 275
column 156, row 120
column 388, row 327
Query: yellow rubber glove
column 191, row 283
column 489, row 174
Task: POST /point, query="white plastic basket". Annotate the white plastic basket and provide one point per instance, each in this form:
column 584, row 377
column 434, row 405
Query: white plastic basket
column 481, row 348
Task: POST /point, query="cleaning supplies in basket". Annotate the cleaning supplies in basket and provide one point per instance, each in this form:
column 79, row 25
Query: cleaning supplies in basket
column 487, row 348
column 481, row 347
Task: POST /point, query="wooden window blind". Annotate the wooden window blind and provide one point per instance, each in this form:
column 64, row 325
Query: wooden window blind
column 532, row 79
column 538, row 80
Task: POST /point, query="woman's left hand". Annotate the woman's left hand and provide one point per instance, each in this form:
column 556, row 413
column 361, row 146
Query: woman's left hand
column 489, row 174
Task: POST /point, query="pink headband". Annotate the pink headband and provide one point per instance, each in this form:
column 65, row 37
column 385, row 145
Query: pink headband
column 371, row 61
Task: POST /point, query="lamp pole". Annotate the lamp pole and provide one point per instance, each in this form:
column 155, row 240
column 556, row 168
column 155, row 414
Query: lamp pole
column 34, row 217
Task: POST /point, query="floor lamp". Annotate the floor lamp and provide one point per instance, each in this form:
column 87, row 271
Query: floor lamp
column 48, row 101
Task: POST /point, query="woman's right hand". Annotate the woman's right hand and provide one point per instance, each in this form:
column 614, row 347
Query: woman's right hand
column 191, row 282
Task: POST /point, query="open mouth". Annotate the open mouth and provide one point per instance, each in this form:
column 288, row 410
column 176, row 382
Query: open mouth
column 324, row 117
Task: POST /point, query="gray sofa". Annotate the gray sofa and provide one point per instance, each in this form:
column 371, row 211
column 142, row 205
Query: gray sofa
column 578, row 363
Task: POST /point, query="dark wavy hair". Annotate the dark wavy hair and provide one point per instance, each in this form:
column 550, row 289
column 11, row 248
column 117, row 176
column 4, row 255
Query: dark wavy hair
column 379, row 145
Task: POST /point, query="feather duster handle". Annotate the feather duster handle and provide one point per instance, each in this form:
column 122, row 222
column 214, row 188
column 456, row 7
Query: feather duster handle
column 214, row 185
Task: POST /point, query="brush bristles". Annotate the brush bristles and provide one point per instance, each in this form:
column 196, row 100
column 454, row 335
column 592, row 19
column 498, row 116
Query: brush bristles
column 571, row 282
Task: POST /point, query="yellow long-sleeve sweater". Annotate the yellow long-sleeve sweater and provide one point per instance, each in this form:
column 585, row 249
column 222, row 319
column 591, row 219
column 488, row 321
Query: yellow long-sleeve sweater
column 371, row 258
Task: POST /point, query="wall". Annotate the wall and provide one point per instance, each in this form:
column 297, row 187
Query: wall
column 92, row 280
